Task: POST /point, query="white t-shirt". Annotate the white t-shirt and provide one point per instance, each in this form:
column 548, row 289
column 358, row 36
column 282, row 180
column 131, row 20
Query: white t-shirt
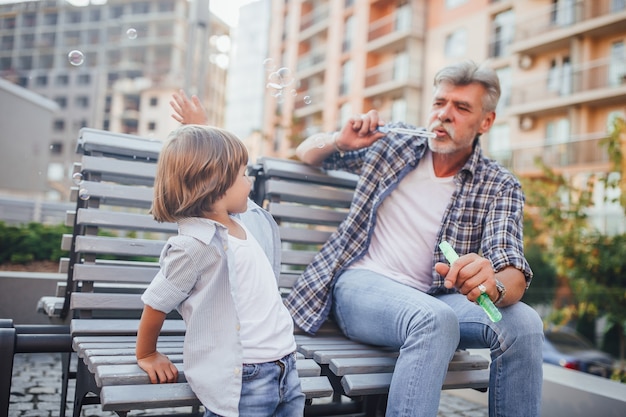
column 404, row 238
column 266, row 331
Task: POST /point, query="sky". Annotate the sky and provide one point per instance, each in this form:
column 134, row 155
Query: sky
column 227, row 10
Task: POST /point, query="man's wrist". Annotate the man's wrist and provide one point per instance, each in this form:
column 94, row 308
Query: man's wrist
column 334, row 137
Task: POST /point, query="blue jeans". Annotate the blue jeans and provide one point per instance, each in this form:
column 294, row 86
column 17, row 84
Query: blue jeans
column 428, row 329
column 270, row 389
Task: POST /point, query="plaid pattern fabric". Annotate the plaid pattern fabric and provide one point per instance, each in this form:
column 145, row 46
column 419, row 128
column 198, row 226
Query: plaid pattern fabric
column 485, row 216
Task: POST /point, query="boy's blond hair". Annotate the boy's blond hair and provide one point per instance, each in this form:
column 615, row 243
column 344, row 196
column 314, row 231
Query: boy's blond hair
column 196, row 166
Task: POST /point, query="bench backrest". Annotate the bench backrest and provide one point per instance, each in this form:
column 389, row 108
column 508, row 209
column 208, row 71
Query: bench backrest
column 115, row 244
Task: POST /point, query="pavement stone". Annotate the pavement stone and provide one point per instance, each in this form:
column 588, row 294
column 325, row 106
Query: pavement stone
column 36, row 392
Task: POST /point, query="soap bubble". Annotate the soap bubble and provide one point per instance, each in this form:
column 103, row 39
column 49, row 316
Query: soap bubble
column 83, row 194
column 76, row 57
column 307, row 100
column 131, row 33
column 77, row 178
column 268, row 64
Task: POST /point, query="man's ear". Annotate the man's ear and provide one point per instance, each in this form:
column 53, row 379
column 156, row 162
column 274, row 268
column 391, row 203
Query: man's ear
column 487, row 122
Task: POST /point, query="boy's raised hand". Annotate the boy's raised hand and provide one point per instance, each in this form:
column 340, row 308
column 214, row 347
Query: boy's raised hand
column 188, row 111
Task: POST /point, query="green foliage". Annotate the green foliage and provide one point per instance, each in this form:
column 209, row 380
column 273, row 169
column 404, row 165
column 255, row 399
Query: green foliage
column 31, row 242
column 542, row 288
column 592, row 264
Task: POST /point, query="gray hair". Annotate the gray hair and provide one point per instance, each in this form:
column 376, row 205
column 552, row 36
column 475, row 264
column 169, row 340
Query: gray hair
column 468, row 72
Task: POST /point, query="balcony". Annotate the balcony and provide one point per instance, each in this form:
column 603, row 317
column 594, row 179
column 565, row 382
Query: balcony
column 311, row 62
column 309, row 102
column 593, row 83
column 314, row 22
column 579, row 153
column 390, row 31
column 390, row 76
column 553, row 27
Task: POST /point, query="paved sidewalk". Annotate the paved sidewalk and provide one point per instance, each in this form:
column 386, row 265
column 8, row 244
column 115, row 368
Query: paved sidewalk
column 36, row 389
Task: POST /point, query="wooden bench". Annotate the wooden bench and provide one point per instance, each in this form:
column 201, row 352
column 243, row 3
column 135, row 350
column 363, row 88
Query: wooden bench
column 114, row 250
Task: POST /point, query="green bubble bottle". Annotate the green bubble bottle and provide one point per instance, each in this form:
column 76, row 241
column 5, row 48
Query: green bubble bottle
column 483, row 300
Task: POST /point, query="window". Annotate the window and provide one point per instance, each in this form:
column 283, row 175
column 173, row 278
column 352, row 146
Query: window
column 557, row 131
column 28, row 40
column 56, row 148
column 503, row 32
column 116, row 11
column 7, row 42
column 617, row 64
column 398, row 109
column 62, row 79
column 61, row 101
column 500, row 143
column 5, row 63
column 562, row 13
column 50, row 19
column 456, row 44
column 94, row 15
column 152, row 126
column 48, row 39
column 26, row 62
column 451, row 4
column 346, row 76
column 29, row 20
column 59, row 125
column 46, row 61
column 401, row 66
column 141, row 8
column 83, row 79
column 154, row 101
column 166, row 6
column 72, row 38
column 55, row 171
column 504, row 74
column 73, row 17
column 82, row 101
column 560, row 76
column 41, row 81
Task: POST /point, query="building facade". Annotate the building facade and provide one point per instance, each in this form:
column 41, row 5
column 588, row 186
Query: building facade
column 112, row 65
column 561, row 64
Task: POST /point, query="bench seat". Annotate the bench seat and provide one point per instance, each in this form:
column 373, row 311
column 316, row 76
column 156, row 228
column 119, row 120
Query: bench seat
column 113, row 253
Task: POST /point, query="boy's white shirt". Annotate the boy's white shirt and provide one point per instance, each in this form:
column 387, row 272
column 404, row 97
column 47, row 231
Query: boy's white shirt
column 197, row 277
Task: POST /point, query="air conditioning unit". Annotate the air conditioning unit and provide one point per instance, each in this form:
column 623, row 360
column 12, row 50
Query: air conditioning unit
column 526, row 123
column 525, row 61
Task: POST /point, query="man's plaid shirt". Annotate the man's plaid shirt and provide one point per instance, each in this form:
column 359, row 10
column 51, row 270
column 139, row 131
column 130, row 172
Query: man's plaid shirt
column 485, row 216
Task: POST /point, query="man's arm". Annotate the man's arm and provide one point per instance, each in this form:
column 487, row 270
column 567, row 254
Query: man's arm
column 358, row 132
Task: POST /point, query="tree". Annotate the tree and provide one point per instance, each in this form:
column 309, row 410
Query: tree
column 589, row 263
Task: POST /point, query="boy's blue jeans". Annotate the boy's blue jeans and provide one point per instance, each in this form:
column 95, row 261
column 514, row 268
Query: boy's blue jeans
column 428, row 329
column 270, row 389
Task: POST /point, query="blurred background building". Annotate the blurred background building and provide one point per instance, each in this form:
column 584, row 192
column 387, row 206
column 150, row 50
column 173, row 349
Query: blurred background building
column 302, row 66
column 561, row 63
column 110, row 65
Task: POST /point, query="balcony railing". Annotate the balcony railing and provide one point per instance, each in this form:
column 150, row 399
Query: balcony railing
column 317, row 15
column 578, row 151
column 555, row 17
column 567, row 81
column 311, row 59
column 392, row 23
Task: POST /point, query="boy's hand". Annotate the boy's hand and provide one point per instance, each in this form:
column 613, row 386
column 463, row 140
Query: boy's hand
column 159, row 368
column 188, row 111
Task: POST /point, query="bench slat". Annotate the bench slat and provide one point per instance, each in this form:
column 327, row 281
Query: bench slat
column 130, row 172
column 121, row 397
column 118, row 246
column 119, row 327
column 123, row 221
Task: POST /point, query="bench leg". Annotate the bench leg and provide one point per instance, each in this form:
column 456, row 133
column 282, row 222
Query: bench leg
column 66, row 375
column 85, row 385
column 7, row 350
column 375, row 405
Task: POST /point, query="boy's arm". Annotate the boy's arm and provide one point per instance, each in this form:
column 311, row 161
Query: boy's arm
column 158, row 366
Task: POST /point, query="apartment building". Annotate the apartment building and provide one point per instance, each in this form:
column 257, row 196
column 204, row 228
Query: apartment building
column 112, row 65
column 561, row 65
